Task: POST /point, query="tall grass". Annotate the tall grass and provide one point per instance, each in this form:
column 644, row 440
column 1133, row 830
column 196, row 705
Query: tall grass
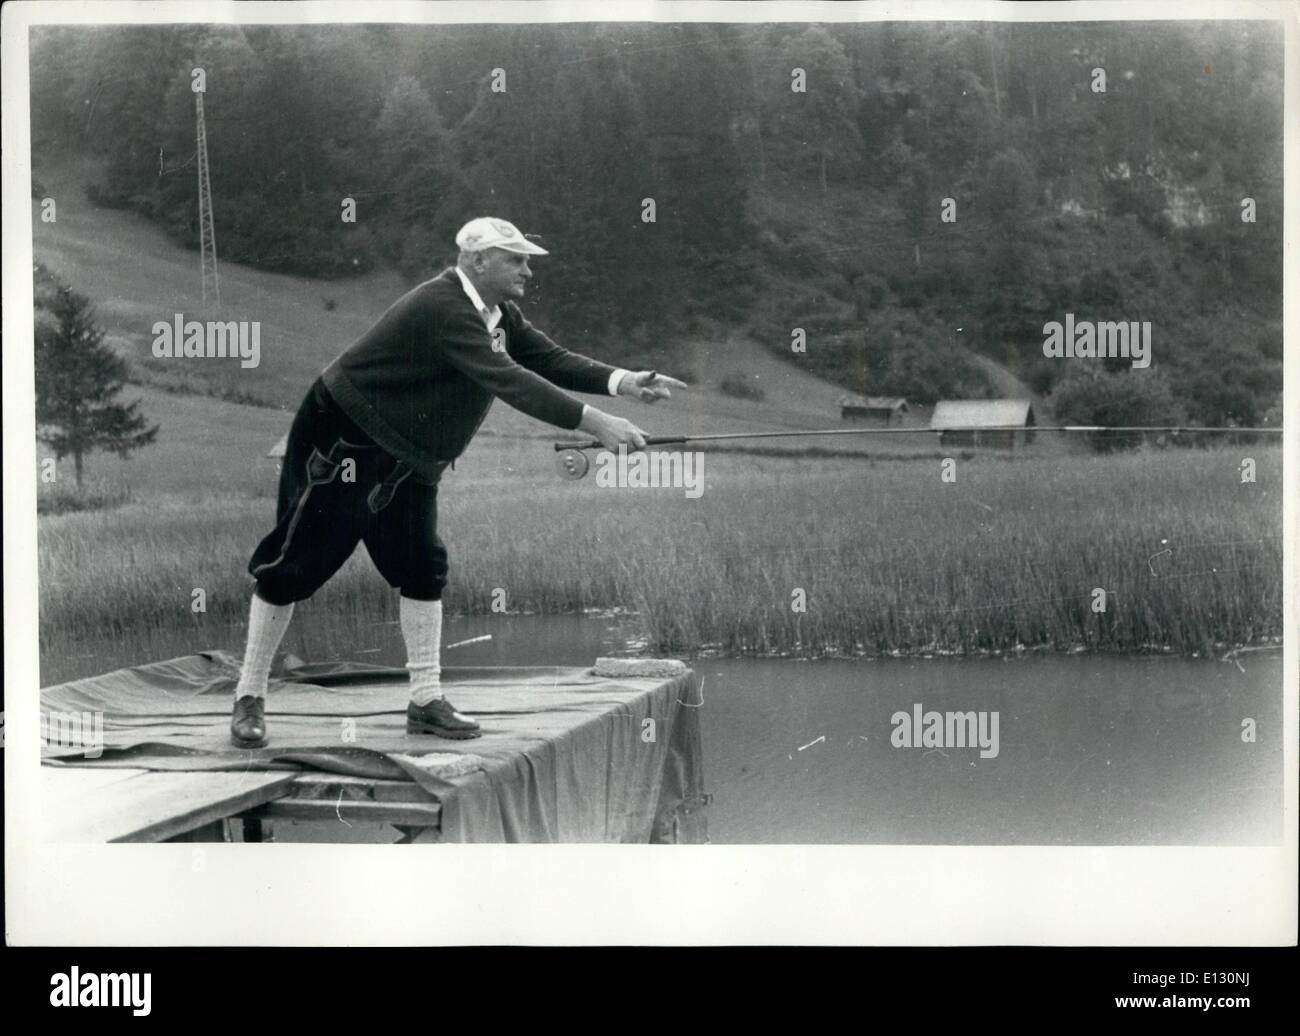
column 886, row 557
column 95, row 495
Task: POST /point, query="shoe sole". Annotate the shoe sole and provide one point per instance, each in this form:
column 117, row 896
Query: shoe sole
column 416, row 727
column 241, row 743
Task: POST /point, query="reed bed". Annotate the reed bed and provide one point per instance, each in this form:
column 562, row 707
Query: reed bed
column 786, row 556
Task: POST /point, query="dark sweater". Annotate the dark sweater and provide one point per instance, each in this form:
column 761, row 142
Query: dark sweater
column 422, row 379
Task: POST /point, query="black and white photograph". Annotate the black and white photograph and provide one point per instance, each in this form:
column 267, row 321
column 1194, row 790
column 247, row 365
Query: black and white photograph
column 738, row 431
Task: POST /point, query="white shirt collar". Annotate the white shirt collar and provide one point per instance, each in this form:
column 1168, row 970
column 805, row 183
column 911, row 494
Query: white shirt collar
column 491, row 317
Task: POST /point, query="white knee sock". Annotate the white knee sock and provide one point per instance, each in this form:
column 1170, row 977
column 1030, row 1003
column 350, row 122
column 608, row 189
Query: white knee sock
column 266, row 625
column 422, row 631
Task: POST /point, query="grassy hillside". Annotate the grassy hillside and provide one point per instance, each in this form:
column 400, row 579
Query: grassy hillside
column 135, row 276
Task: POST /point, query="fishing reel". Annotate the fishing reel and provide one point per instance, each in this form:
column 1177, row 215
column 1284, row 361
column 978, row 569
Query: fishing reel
column 573, row 464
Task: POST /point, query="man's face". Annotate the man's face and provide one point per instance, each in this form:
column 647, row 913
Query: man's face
column 503, row 274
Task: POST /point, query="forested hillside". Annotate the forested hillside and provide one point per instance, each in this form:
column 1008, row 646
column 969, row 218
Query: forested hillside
column 774, row 208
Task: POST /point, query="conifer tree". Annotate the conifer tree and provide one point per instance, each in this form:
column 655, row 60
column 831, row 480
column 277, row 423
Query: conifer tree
column 77, row 380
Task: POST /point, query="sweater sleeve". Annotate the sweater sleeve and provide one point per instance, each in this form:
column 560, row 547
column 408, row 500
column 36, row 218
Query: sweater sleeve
column 532, row 349
column 465, row 344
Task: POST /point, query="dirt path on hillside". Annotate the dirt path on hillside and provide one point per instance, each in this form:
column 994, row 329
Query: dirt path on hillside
column 1007, row 384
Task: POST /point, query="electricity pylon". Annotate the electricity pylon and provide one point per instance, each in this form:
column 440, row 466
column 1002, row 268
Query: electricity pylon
column 207, row 234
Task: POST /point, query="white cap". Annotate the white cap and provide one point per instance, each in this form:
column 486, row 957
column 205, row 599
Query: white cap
column 486, row 232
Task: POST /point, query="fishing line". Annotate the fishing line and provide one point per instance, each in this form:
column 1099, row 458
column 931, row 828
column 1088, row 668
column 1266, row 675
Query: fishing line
column 574, row 462
column 663, row 440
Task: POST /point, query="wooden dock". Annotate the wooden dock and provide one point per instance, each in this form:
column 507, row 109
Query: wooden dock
column 565, row 756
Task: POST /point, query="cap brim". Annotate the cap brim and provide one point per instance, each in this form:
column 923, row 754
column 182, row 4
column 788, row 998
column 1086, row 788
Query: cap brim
column 523, row 248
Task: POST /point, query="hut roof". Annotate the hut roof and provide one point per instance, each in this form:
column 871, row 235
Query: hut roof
column 982, row 413
column 875, row 402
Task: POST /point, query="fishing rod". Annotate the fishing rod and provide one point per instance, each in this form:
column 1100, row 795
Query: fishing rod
column 574, row 463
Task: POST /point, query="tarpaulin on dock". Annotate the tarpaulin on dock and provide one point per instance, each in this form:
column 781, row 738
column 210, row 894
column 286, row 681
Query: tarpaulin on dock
column 565, row 756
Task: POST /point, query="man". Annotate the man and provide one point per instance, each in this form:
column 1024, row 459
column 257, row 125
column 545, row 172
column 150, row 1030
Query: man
column 393, row 411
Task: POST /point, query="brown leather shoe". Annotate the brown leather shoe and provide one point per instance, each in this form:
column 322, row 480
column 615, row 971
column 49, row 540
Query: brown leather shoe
column 248, row 724
column 441, row 718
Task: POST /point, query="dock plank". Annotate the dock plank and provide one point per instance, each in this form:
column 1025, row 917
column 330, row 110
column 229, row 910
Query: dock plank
column 155, row 806
column 61, row 783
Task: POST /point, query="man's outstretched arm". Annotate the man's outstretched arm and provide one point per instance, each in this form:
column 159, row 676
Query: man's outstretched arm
column 464, row 344
column 531, row 348
column 572, row 371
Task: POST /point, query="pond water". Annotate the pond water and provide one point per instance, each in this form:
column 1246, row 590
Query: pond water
column 1089, row 750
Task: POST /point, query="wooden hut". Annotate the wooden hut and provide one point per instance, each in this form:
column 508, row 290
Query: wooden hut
column 877, row 411
column 1004, row 423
